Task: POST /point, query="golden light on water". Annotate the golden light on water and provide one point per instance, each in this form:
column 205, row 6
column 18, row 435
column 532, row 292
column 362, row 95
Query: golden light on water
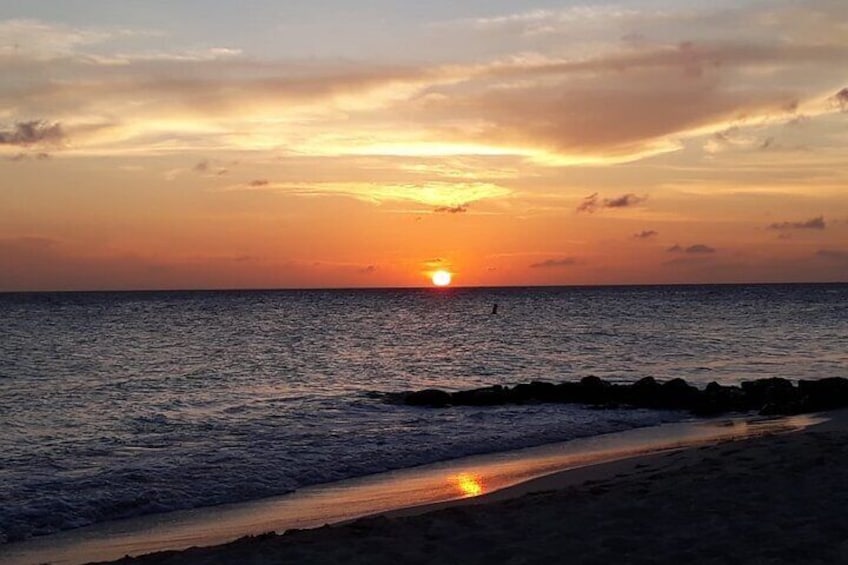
column 469, row 485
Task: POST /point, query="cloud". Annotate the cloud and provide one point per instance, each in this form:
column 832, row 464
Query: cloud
column 555, row 263
column 645, row 234
column 696, row 249
column 592, row 203
column 816, row 223
column 34, row 132
column 459, row 209
column 201, row 167
column 623, row 201
column 367, row 270
column 840, row 99
column 589, row 203
column 448, row 195
column 555, row 106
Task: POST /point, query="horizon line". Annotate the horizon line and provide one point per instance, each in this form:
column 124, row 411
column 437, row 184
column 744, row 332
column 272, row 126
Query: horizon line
column 421, row 287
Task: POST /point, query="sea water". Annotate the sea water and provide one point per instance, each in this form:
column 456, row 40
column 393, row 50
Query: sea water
column 121, row 404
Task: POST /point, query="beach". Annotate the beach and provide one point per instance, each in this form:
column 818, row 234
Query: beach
column 773, row 499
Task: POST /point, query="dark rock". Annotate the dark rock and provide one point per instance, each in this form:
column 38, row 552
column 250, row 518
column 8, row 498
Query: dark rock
column 432, row 397
column 824, row 394
column 594, row 390
column 717, row 399
column 487, row 396
column 644, row 393
column 677, row 394
column 536, row 391
column 569, row 392
column 779, row 394
column 773, row 396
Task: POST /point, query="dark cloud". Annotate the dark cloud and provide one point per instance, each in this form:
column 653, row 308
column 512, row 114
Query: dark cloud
column 623, row 201
column 696, row 249
column 259, row 183
column 591, row 203
column 841, row 99
column 201, row 167
column 555, row 263
column 645, row 234
column 34, row 132
column 459, row 209
column 367, row 270
column 699, row 248
column 817, row 223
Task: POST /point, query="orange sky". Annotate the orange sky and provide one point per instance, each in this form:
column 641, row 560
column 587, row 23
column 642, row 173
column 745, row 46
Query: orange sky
column 567, row 144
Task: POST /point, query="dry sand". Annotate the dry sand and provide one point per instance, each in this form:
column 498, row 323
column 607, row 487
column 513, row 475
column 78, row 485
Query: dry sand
column 775, row 499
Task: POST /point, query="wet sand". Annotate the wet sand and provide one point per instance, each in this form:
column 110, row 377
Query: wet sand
column 774, row 499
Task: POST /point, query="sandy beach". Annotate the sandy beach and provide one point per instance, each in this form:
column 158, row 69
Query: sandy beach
column 773, row 499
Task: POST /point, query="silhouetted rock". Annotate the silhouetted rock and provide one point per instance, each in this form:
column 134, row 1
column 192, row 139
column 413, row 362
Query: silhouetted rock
column 772, row 396
column 677, row 394
column 644, row 393
column 568, row 392
column 718, row 399
column 824, row 394
column 428, row 397
column 536, row 391
column 487, row 396
column 594, row 390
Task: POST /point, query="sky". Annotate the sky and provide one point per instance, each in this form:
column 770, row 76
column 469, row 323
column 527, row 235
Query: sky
column 181, row 144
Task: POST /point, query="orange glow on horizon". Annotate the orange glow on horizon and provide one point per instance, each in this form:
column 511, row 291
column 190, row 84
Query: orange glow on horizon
column 469, row 485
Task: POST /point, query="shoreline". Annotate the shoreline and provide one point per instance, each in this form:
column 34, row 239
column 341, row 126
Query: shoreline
column 777, row 498
column 397, row 494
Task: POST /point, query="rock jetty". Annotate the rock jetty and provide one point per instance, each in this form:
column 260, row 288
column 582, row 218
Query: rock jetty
column 772, row 396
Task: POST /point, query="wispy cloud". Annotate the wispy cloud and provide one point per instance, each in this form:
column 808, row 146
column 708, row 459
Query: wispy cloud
column 696, row 249
column 592, row 202
column 442, row 196
column 459, row 209
column 841, row 99
column 645, row 234
column 34, row 132
column 555, row 263
column 816, row 223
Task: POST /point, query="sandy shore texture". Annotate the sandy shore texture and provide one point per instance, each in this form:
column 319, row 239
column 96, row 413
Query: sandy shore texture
column 775, row 499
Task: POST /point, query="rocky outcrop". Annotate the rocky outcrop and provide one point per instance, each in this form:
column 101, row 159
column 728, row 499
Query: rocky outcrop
column 773, row 396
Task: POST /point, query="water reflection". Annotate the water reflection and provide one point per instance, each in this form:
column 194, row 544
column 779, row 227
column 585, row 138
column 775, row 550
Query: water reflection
column 468, row 484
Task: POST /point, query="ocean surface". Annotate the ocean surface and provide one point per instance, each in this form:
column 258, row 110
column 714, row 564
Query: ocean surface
column 114, row 405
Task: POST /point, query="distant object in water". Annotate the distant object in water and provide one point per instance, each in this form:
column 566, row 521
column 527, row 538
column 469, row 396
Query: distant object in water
column 495, row 309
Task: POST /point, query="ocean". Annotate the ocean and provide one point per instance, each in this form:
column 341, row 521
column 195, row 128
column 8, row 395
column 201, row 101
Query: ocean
column 115, row 405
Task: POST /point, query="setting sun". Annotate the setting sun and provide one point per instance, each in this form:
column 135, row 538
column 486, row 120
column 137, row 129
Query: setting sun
column 442, row 278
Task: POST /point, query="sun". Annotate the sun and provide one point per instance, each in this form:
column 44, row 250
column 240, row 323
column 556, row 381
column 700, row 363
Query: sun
column 442, row 278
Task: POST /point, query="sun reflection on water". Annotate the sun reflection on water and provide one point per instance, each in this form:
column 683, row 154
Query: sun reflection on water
column 469, row 485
